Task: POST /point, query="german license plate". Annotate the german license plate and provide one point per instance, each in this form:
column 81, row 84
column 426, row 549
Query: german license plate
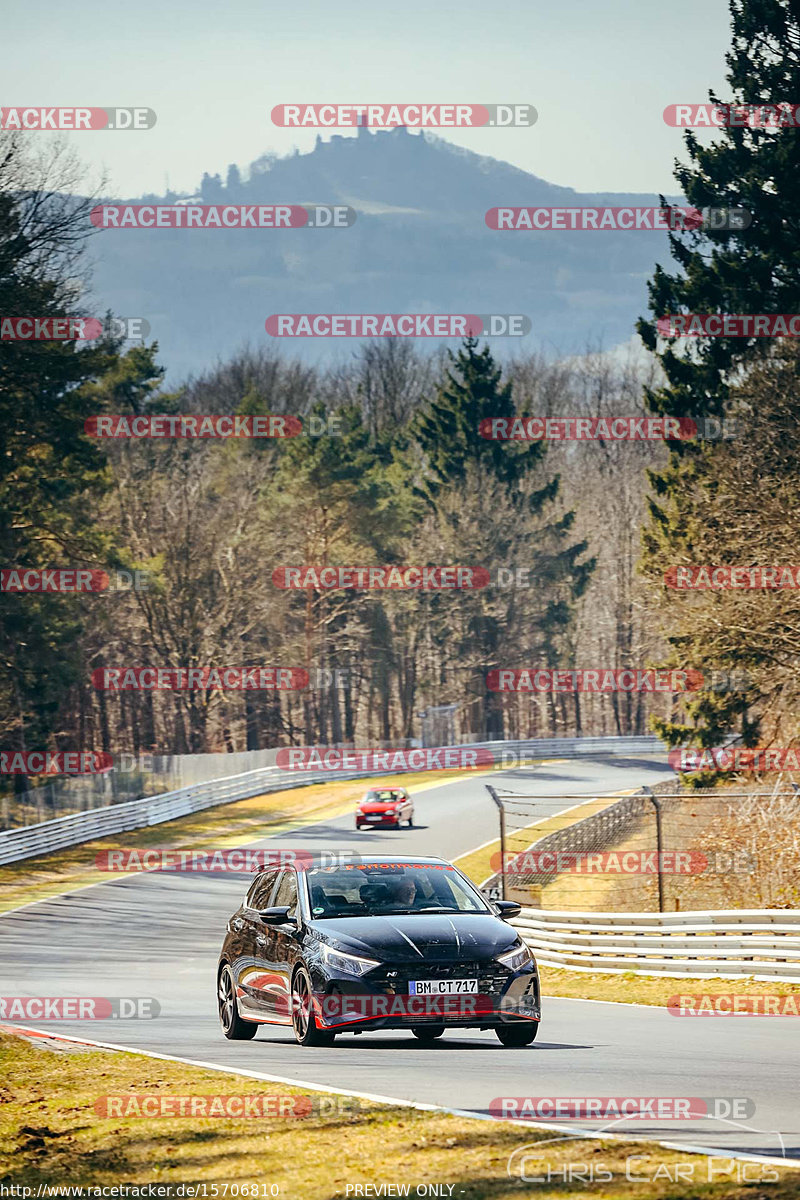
column 378, row 817
column 442, row 987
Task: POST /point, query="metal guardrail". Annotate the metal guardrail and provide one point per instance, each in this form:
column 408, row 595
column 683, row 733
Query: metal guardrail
column 44, row 838
column 573, row 747
column 132, row 777
column 725, row 944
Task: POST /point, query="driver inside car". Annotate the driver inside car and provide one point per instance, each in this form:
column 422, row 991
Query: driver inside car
column 405, row 894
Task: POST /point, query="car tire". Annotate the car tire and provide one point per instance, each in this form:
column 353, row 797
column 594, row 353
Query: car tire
column 517, row 1035
column 411, row 821
column 427, row 1033
column 304, row 1023
column 234, row 1028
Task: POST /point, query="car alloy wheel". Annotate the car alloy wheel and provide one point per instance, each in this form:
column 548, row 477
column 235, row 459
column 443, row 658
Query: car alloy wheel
column 304, row 1023
column 234, row 1028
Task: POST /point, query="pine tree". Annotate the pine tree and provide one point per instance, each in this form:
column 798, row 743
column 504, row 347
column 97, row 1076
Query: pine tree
column 52, row 475
column 755, row 270
column 490, row 497
column 744, row 503
column 447, row 428
column 342, row 501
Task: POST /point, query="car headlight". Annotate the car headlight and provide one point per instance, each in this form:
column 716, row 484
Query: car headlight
column 349, row 964
column 520, row 956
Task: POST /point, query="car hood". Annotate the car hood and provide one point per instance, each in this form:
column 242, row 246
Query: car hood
column 431, row 937
column 377, row 806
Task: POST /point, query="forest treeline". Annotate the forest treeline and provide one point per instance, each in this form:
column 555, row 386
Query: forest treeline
column 391, row 469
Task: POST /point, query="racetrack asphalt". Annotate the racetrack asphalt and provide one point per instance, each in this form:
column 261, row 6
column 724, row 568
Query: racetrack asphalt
column 158, row 934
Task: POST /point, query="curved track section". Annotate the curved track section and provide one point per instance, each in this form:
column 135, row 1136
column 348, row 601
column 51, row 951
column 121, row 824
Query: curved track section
column 159, row 935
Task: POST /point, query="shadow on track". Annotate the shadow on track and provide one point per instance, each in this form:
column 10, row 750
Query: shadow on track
column 452, row 1041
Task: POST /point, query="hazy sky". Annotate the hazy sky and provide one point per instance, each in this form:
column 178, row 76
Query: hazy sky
column 599, row 74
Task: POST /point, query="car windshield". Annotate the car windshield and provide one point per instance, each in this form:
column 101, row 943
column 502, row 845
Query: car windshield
column 383, row 889
column 384, row 797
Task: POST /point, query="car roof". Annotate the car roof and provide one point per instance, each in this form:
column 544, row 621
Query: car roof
column 421, row 859
column 389, row 857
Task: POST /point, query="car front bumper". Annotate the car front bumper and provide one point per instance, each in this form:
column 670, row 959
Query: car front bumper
column 381, row 1000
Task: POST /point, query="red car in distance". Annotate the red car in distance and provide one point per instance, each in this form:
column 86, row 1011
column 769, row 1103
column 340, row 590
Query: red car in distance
column 385, row 806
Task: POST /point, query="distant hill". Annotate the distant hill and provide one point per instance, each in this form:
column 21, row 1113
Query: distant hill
column 419, row 244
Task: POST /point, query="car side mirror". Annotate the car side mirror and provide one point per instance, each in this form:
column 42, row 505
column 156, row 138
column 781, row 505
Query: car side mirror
column 506, row 909
column 276, row 916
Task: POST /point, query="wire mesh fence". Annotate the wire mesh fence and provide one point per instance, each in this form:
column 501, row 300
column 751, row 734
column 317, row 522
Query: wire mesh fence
column 660, row 849
column 132, row 777
column 65, row 796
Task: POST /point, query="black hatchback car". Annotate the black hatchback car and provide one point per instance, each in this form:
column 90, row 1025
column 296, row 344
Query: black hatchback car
column 407, row 943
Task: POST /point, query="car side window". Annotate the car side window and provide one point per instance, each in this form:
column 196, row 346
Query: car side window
column 260, row 892
column 287, row 893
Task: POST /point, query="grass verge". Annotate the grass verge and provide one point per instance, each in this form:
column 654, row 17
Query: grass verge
column 52, row 1135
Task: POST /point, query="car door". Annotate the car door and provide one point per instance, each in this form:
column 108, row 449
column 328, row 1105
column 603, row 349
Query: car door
column 253, row 986
column 282, row 946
